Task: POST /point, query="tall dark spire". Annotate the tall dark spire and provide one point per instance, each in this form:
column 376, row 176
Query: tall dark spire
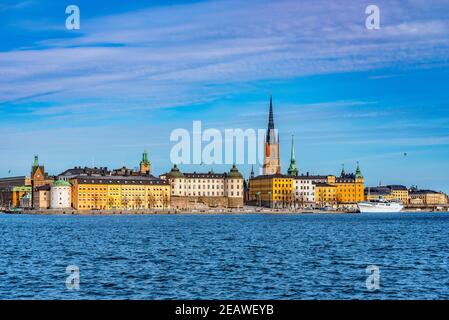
column 270, row 118
column 270, row 122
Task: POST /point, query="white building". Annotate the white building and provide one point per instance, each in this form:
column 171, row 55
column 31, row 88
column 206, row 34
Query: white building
column 225, row 188
column 304, row 191
column 60, row 195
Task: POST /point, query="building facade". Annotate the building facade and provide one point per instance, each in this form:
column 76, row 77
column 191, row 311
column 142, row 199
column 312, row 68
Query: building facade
column 275, row 191
column 60, row 195
column 427, row 197
column 41, row 198
column 13, row 190
column 119, row 193
column 304, row 192
column 399, row 193
column 325, row 194
column 350, row 187
column 201, row 190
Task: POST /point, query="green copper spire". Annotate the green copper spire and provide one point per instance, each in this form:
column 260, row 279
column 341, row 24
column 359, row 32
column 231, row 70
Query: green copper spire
column 358, row 172
column 293, row 169
column 145, row 157
column 36, row 162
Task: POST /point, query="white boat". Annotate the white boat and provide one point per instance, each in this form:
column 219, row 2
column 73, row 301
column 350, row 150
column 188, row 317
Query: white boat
column 380, row 206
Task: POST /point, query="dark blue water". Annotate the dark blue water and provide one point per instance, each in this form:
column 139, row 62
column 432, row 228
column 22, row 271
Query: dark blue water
column 225, row 256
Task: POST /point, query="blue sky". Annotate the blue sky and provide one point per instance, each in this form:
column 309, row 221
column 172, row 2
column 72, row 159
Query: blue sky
column 136, row 70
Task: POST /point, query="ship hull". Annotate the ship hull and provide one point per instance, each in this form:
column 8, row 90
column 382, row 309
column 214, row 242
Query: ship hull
column 387, row 207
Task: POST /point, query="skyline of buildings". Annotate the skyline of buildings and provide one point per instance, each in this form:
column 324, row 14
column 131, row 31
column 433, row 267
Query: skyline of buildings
column 138, row 189
column 104, row 94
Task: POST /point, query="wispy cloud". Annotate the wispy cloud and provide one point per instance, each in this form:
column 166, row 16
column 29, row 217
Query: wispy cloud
column 164, row 52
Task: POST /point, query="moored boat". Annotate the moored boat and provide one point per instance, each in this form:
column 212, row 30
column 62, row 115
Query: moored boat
column 380, row 206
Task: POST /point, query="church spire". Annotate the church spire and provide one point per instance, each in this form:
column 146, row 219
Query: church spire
column 36, row 162
column 145, row 164
column 270, row 117
column 252, row 172
column 358, row 172
column 293, row 169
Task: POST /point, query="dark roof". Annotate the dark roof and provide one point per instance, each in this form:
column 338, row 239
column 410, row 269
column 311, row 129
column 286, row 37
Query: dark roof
column 313, row 177
column 397, row 187
column 76, row 171
column 319, row 184
column 412, row 192
column 139, row 180
column 44, row 188
column 271, row 176
column 378, row 190
column 208, row 175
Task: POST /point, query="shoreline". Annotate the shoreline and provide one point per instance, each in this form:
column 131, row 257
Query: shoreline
column 247, row 210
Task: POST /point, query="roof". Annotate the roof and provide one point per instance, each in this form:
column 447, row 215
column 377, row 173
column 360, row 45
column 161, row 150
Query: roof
column 397, row 187
column 43, row 188
column 415, row 192
column 61, row 183
column 84, row 171
column 378, row 191
column 319, row 184
column 234, row 173
column 131, row 180
column 272, row 176
column 176, row 173
column 313, row 177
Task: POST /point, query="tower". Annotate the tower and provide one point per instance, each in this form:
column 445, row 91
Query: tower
column 145, row 164
column 293, row 169
column 252, row 172
column 271, row 164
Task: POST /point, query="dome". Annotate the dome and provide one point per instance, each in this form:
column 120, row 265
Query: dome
column 61, row 183
column 234, row 173
column 175, row 172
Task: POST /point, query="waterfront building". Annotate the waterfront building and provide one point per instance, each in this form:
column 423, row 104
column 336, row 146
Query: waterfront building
column 272, row 164
column 274, row 191
column 60, row 195
column 41, row 198
column 201, row 190
column 389, row 193
column 325, row 194
column 399, row 193
column 377, row 193
column 350, row 187
column 119, row 193
column 427, row 197
column 304, row 192
column 19, row 191
column 13, row 189
column 38, row 175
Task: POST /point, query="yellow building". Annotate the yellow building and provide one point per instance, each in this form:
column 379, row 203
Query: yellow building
column 427, row 197
column 119, row 192
column 399, row 193
column 377, row 193
column 271, row 190
column 325, row 194
column 350, row 187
